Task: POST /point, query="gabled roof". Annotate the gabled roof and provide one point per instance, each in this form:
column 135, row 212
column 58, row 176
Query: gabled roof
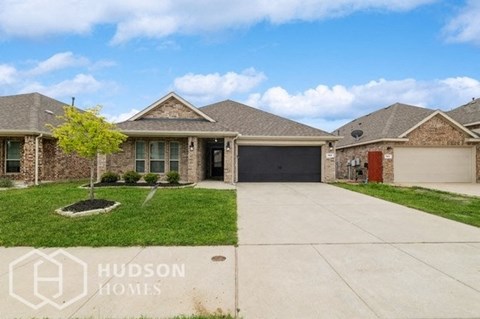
column 249, row 121
column 387, row 123
column 467, row 114
column 445, row 116
column 165, row 98
column 28, row 114
column 223, row 118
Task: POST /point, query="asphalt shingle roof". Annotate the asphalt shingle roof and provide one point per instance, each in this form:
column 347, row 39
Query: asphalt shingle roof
column 389, row 122
column 466, row 114
column 29, row 113
column 250, row 121
column 171, row 125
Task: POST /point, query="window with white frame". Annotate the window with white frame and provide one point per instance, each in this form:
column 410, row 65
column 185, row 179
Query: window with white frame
column 157, row 157
column 174, row 156
column 13, row 155
column 140, row 156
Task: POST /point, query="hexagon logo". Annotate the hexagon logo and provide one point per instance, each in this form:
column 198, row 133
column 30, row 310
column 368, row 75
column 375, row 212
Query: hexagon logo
column 58, row 279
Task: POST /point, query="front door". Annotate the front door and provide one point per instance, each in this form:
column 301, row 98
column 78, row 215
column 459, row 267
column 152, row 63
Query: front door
column 217, row 162
column 375, row 166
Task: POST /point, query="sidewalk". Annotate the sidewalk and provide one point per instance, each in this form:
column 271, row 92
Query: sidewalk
column 156, row 282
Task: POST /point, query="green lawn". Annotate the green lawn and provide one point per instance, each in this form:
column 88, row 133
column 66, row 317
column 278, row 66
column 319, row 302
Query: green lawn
column 186, row 216
column 460, row 208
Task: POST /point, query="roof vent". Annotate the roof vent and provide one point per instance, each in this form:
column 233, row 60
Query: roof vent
column 49, row 112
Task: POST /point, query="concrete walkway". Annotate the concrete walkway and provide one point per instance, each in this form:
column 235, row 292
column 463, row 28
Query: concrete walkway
column 317, row 251
column 469, row 189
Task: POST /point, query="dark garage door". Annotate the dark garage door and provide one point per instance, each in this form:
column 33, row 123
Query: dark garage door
column 279, row 163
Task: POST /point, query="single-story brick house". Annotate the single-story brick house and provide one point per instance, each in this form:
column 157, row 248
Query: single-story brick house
column 28, row 152
column 404, row 143
column 227, row 141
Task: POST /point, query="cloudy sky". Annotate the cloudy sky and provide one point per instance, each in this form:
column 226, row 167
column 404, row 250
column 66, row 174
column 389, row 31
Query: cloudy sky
column 321, row 62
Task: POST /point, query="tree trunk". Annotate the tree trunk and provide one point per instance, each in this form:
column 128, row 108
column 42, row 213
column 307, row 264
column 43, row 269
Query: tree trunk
column 92, row 173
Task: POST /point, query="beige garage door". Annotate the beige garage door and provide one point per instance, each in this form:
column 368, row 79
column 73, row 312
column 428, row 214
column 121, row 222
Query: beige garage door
column 433, row 165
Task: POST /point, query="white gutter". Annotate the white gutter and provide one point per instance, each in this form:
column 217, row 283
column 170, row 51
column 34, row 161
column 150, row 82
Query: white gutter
column 36, row 156
column 374, row 141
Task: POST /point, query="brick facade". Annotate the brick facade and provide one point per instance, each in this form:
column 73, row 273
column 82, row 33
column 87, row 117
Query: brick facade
column 436, row 132
column 172, row 109
column 53, row 164
column 124, row 160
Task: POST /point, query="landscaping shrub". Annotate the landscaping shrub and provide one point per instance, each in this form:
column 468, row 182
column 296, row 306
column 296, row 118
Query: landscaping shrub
column 110, row 177
column 131, row 177
column 150, row 178
column 173, row 177
column 6, row 183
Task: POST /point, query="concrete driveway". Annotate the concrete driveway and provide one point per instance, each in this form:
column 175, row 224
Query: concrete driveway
column 318, row 251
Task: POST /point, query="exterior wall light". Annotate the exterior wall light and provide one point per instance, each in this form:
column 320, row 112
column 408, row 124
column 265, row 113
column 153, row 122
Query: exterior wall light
column 330, row 146
column 228, row 146
column 191, row 146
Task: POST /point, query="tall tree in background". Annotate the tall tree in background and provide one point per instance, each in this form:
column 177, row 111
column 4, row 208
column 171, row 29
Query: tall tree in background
column 87, row 134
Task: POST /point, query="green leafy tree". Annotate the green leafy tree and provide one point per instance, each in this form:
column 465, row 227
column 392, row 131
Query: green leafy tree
column 87, row 134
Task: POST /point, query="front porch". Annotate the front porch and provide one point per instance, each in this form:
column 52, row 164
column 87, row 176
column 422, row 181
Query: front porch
column 194, row 158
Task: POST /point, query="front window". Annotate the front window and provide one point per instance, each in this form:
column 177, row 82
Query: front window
column 174, row 156
column 12, row 158
column 140, row 156
column 157, row 157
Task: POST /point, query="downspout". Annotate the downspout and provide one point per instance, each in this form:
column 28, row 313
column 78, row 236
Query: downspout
column 235, row 159
column 36, row 156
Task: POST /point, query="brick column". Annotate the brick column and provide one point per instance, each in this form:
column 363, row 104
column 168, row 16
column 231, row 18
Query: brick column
column 328, row 175
column 28, row 159
column 193, row 159
column 229, row 161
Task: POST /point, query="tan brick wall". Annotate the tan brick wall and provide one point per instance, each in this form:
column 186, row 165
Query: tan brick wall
column 192, row 159
column 172, row 109
column 328, row 174
column 125, row 160
column 435, row 132
column 28, row 159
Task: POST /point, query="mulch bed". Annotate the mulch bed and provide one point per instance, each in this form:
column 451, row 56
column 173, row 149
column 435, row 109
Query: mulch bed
column 85, row 205
column 140, row 184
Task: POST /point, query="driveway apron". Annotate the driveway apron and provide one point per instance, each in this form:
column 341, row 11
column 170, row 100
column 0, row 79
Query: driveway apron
column 318, row 251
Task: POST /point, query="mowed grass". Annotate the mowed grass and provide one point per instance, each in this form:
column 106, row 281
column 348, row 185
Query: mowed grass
column 460, row 208
column 173, row 217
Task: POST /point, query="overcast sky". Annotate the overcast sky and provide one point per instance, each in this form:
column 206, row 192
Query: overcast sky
column 319, row 62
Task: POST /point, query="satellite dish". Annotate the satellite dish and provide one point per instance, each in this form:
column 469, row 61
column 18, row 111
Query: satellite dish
column 357, row 134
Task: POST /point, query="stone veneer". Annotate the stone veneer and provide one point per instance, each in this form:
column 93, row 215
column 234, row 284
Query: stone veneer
column 172, row 109
column 435, row 132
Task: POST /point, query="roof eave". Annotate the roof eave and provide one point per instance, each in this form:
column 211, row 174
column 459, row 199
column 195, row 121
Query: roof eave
column 374, row 141
column 145, row 133
column 290, row 138
column 24, row 132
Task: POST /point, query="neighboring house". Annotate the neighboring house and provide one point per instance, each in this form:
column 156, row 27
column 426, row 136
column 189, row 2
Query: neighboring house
column 403, row 144
column 468, row 115
column 27, row 150
column 227, row 141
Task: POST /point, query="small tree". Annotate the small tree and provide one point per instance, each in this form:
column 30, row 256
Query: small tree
column 87, row 134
